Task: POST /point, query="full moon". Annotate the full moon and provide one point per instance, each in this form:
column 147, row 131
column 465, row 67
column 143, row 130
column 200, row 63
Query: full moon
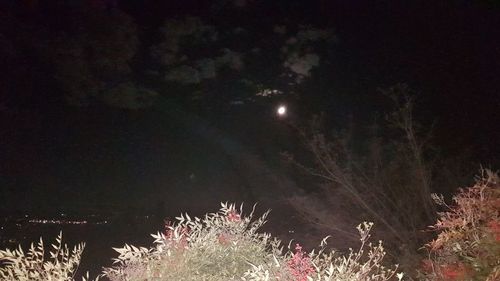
column 281, row 110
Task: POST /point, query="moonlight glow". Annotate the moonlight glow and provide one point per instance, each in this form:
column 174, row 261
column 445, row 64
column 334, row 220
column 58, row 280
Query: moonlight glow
column 281, row 110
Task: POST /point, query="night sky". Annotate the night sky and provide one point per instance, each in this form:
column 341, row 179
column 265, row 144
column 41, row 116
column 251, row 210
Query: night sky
column 161, row 106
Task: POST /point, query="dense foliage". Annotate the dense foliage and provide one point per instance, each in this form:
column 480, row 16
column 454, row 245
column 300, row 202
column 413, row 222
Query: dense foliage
column 468, row 244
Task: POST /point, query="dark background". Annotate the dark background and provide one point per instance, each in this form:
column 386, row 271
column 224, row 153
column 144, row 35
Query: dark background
column 184, row 155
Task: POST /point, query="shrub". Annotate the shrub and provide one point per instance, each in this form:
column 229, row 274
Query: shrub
column 365, row 264
column 217, row 247
column 226, row 246
column 468, row 244
column 61, row 264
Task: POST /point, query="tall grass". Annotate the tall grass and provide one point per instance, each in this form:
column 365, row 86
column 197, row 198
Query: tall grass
column 34, row 265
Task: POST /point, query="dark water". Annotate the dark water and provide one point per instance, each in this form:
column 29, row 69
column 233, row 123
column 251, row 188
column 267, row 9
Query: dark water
column 99, row 233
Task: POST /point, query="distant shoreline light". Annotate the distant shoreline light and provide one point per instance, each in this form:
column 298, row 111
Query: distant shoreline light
column 62, row 222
